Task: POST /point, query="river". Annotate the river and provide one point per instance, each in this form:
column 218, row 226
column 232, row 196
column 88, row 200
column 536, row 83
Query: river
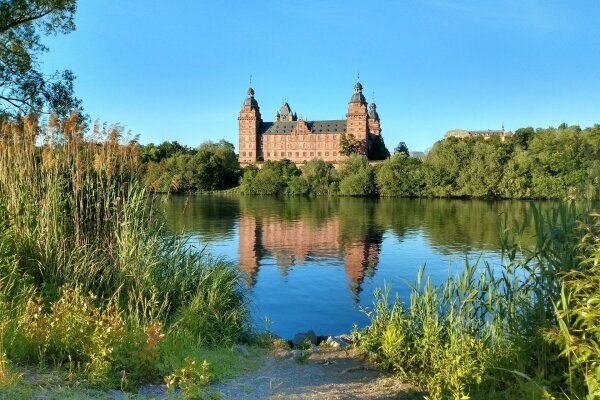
column 313, row 263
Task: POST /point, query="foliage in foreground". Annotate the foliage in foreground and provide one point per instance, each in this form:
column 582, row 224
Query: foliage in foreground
column 90, row 278
column 528, row 330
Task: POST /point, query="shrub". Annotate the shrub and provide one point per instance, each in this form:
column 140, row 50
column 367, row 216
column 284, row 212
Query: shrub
column 297, row 186
column 190, row 378
column 265, row 182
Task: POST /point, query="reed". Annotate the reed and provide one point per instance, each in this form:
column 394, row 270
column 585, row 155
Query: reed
column 510, row 332
column 77, row 227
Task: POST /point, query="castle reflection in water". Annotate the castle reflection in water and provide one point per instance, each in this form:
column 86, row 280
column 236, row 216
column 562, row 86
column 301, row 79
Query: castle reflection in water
column 292, row 243
column 341, row 235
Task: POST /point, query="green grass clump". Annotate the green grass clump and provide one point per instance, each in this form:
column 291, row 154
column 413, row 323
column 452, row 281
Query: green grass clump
column 91, row 280
column 528, row 330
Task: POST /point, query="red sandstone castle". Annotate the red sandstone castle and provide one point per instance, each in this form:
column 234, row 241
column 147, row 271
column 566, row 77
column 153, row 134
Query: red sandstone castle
column 299, row 140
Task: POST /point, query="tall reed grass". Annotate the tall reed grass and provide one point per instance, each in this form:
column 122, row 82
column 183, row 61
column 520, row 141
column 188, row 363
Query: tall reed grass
column 84, row 249
column 527, row 330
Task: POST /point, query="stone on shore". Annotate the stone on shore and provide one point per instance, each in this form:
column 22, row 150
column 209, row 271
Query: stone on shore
column 339, row 342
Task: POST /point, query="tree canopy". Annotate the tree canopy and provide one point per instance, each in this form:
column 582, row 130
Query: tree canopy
column 24, row 88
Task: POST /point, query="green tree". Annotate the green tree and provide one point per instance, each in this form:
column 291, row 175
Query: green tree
column 522, row 136
column 443, row 165
column 377, row 149
column 216, row 166
column 357, row 177
column 401, row 148
column 482, row 170
column 24, row 87
column 284, row 168
column 561, row 162
column 320, row 176
column 516, row 180
column 399, row 176
column 297, row 185
column 349, row 144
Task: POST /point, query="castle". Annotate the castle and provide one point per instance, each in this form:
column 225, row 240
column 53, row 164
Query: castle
column 293, row 138
column 461, row 133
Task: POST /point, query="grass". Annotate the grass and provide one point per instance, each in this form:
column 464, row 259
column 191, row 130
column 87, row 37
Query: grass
column 91, row 280
column 529, row 330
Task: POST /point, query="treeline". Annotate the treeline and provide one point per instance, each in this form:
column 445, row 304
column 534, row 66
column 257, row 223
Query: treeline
column 535, row 163
column 171, row 167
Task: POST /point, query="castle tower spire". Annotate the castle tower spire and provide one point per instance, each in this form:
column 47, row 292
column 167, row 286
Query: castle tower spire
column 357, row 117
column 249, row 124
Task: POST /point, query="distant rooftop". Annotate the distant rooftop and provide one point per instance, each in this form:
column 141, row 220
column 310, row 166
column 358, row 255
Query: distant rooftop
column 286, row 127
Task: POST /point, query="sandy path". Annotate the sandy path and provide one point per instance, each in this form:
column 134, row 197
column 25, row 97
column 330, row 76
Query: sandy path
column 327, row 374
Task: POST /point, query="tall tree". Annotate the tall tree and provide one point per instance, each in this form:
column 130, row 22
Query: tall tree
column 402, row 148
column 23, row 86
column 349, row 144
column 377, row 150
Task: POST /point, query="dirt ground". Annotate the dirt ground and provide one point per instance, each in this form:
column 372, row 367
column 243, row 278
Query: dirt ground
column 327, row 374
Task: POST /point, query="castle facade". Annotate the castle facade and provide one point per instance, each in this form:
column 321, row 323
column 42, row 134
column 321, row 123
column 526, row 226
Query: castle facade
column 293, row 138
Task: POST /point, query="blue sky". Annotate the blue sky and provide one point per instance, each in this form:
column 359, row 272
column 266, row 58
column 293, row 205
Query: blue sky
column 179, row 70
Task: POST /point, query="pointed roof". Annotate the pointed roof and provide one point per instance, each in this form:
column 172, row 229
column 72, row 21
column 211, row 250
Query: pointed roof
column 250, row 100
column 285, row 113
column 373, row 111
column 358, row 97
column 285, row 109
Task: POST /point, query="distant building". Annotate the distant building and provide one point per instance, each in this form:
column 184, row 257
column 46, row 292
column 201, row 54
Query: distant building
column 293, row 138
column 461, row 133
column 417, row 154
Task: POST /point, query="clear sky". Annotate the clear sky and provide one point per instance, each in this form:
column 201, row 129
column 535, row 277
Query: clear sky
column 179, row 69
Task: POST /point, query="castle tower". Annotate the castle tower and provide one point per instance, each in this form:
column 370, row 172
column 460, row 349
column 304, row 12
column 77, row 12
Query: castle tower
column 357, row 117
column 249, row 123
column 374, row 127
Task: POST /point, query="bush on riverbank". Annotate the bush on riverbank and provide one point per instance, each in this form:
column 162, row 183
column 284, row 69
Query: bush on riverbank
column 212, row 166
column 90, row 278
column 529, row 330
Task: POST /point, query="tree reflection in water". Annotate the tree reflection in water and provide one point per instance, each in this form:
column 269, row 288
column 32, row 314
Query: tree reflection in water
column 349, row 230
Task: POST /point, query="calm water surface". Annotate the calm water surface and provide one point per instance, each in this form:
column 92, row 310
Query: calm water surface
column 312, row 263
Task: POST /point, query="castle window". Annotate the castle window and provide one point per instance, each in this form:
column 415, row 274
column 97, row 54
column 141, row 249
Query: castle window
column 268, row 154
column 244, row 154
column 319, row 154
column 335, row 153
column 326, row 154
column 303, row 154
column 297, row 154
column 282, row 154
column 312, row 153
column 289, row 153
column 250, row 153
